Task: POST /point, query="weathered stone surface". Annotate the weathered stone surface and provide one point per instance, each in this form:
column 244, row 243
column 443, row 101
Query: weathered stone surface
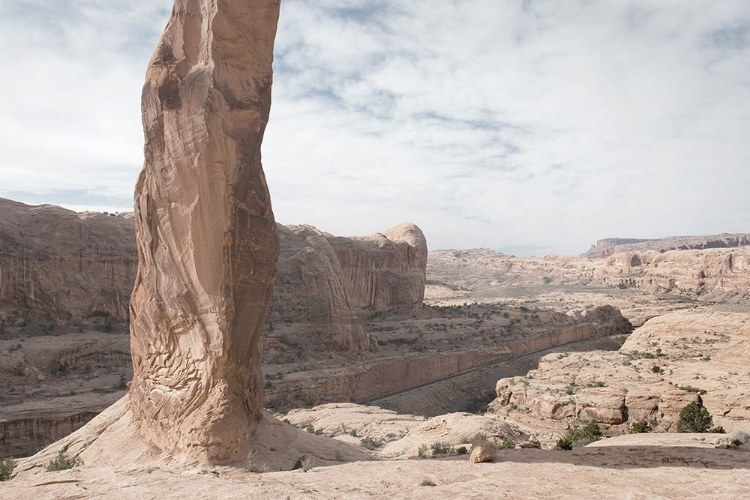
column 63, row 264
column 385, row 269
column 206, row 236
column 483, row 451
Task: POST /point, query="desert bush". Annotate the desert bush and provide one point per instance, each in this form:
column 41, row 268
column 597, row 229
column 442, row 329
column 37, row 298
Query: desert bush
column 461, row 450
column 369, row 443
column 506, row 444
column 254, row 464
column 6, row 468
column 740, row 437
column 717, row 430
column 657, row 369
column 440, row 448
column 640, row 427
column 690, row 388
column 303, row 463
column 576, row 436
column 427, row 482
column 62, row 462
column 423, row 451
column 694, row 418
column 479, row 436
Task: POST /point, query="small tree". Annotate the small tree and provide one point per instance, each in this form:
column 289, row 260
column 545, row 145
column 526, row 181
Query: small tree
column 694, row 418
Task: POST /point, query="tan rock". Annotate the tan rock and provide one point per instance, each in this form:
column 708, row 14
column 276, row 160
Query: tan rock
column 205, row 231
column 483, row 451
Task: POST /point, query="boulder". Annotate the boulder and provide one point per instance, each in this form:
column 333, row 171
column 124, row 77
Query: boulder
column 483, row 451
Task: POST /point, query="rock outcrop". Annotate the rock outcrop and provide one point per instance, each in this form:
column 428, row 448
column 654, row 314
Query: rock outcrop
column 63, row 264
column 328, row 284
column 206, row 235
column 662, row 367
column 385, row 269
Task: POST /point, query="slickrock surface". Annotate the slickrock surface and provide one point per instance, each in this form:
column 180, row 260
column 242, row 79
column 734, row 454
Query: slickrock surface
column 641, row 466
column 206, row 235
column 663, row 366
column 397, row 435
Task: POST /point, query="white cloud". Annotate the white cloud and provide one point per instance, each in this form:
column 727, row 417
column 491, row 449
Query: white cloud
column 487, row 122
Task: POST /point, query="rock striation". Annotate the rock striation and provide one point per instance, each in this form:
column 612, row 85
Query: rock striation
column 206, row 235
column 325, row 286
column 63, row 264
column 328, row 284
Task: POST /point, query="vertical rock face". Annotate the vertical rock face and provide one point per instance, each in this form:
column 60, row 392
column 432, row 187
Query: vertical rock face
column 207, row 241
column 384, row 269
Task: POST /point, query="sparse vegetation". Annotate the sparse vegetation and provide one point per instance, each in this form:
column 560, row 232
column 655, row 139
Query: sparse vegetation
column 462, row 450
column 423, row 451
column 694, row 418
column 304, row 463
column 369, row 443
column 479, row 436
column 640, row 427
column 63, row 462
column 254, row 464
column 440, row 448
column 427, row 482
column 657, row 369
column 576, row 436
column 739, row 438
column 6, row 468
column 690, row 388
column 506, row 444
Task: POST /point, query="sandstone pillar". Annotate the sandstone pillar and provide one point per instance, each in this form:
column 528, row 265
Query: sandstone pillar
column 207, row 242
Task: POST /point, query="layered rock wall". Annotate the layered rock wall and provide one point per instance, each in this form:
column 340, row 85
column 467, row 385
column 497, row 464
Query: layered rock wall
column 65, row 265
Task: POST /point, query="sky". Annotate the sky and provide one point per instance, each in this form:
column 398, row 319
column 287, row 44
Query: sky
column 526, row 126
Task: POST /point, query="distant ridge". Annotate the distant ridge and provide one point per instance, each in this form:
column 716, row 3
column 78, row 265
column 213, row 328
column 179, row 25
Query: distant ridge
column 609, row 246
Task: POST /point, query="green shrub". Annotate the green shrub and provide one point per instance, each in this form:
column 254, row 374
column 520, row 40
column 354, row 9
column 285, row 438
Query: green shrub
column 507, row 444
column 369, row 443
column 640, row 427
column 6, row 468
column 717, row 430
column 440, row 449
column 254, row 464
column 479, row 436
column 62, row 462
column 423, row 449
column 303, row 463
column 694, row 418
column 576, row 436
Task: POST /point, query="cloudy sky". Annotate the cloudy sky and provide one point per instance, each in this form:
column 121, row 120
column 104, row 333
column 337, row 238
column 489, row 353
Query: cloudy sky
column 528, row 126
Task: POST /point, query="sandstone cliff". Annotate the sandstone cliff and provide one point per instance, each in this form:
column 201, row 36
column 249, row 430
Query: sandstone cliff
column 63, row 264
column 70, row 267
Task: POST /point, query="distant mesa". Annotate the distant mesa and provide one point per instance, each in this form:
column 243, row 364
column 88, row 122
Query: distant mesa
column 609, row 246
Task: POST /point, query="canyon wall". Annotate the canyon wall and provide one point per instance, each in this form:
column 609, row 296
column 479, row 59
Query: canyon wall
column 373, row 379
column 69, row 266
column 65, row 265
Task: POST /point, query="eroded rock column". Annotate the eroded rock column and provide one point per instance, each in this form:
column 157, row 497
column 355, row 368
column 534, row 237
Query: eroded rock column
column 206, row 235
